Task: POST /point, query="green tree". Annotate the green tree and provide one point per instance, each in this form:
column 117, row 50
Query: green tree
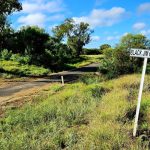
column 104, row 46
column 117, row 61
column 135, row 41
column 78, row 35
column 32, row 39
column 6, row 8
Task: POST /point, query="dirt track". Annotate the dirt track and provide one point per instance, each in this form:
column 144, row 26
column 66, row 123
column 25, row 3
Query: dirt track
column 14, row 91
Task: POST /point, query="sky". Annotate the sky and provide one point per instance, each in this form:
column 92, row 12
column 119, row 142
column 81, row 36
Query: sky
column 110, row 19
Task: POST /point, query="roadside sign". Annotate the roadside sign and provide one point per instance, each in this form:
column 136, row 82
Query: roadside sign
column 142, row 53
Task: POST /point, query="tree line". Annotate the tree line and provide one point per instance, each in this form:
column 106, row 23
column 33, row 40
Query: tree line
column 34, row 42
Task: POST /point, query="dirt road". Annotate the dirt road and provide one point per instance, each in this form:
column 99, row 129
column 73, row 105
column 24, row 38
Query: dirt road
column 24, row 88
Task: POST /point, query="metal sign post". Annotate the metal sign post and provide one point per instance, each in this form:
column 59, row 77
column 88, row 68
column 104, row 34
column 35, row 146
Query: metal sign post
column 143, row 54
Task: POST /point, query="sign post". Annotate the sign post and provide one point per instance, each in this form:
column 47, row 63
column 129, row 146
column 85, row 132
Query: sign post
column 142, row 54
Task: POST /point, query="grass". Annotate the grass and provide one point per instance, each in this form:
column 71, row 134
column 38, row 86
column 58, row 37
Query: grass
column 84, row 60
column 99, row 116
column 10, row 68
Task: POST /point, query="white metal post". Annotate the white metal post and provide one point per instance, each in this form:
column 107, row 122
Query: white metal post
column 140, row 97
column 62, row 80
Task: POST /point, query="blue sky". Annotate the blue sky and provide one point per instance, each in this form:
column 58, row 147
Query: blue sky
column 110, row 19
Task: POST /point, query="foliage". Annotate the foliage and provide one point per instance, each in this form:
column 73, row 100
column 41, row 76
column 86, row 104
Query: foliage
column 104, row 46
column 78, row 35
column 135, row 41
column 15, row 68
column 117, row 61
column 32, row 39
column 7, row 7
column 83, row 60
column 91, row 51
column 98, row 116
column 5, row 54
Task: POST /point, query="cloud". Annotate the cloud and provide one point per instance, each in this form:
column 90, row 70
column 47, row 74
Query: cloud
column 139, row 26
column 42, row 6
column 40, row 12
column 145, row 32
column 57, row 17
column 33, row 19
column 144, row 8
column 103, row 17
column 111, row 38
column 95, row 38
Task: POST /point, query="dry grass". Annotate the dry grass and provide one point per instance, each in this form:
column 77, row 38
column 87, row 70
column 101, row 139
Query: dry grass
column 82, row 115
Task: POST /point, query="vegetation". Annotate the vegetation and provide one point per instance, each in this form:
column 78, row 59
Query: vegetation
column 15, row 68
column 7, row 8
column 78, row 35
column 98, row 116
column 83, row 60
column 104, row 46
column 91, row 51
column 93, row 113
column 117, row 61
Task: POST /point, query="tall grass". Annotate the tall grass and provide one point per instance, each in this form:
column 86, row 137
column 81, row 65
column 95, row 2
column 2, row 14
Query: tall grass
column 83, row 115
column 15, row 68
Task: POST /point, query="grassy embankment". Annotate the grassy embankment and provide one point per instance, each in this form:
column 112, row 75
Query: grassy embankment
column 84, row 60
column 10, row 69
column 98, row 116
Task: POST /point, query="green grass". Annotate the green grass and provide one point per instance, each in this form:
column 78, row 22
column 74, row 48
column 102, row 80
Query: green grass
column 84, row 60
column 10, row 68
column 90, row 114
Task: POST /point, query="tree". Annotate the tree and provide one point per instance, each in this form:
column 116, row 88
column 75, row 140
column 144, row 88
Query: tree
column 78, row 35
column 6, row 8
column 135, row 41
column 104, row 46
column 117, row 61
column 32, row 39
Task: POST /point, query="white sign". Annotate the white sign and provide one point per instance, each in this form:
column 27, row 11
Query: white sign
column 140, row 53
column 143, row 54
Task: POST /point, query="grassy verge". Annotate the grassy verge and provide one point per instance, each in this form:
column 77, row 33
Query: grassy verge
column 84, row 60
column 10, row 68
column 98, row 116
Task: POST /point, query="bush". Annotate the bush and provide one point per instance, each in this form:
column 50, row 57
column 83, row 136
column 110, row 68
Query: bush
column 117, row 62
column 15, row 68
column 5, row 54
column 20, row 59
column 93, row 51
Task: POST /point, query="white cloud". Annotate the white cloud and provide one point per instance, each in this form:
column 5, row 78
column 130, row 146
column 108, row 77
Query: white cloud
column 112, row 38
column 33, row 19
column 40, row 12
column 95, row 38
column 144, row 8
column 57, row 17
column 139, row 26
column 102, row 17
column 145, row 32
column 42, row 5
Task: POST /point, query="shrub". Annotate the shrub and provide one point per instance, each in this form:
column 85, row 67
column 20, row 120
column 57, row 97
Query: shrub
column 20, row 59
column 117, row 62
column 5, row 54
column 92, row 51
